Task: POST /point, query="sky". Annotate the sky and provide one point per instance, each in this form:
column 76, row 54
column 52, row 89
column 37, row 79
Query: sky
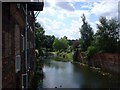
column 63, row 17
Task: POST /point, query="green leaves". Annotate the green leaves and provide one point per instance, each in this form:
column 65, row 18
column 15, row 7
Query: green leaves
column 43, row 42
column 106, row 38
column 60, row 44
column 91, row 50
column 49, row 42
column 86, row 34
column 107, row 35
column 39, row 36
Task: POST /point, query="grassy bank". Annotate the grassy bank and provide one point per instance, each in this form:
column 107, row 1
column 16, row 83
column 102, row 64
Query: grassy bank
column 63, row 56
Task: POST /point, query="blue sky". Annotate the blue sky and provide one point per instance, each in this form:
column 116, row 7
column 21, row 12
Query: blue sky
column 63, row 17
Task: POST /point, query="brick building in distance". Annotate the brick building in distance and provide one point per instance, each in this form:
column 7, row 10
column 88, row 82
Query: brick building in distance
column 18, row 43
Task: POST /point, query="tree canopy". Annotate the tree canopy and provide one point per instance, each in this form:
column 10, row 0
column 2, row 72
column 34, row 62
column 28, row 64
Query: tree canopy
column 106, row 38
column 49, row 42
column 60, row 44
column 86, row 34
column 39, row 36
column 43, row 42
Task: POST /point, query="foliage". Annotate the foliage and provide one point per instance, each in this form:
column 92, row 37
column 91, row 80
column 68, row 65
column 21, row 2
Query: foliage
column 35, row 81
column 60, row 44
column 86, row 34
column 70, row 42
column 106, row 38
column 43, row 42
column 39, row 37
column 91, row 50
column 38, row 76
column 49, row 42
column 63, row 56
column 56, row 44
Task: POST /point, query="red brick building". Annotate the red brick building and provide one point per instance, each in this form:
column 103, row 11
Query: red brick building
column 18, row 43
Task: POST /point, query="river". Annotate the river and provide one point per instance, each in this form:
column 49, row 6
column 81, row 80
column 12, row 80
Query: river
column 68, row 75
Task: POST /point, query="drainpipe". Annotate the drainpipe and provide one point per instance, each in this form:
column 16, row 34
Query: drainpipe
column 119, row 21
column 26, row 50
column 1, row 46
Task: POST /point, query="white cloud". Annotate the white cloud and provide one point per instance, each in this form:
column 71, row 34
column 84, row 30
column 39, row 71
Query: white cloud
column 54, row 27
column 61, row 16
column 66, row 5
column 105, row 8
column 64, row 20
column 49, row 10
column 51, row 2
column 72, row 32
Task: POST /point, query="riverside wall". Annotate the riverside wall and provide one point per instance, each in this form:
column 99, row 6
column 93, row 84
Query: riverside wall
column 108, row 61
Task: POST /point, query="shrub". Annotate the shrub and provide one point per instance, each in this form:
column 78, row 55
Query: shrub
column 91, row 50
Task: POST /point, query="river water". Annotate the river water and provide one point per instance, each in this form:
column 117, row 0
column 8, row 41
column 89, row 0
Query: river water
column 68, row 75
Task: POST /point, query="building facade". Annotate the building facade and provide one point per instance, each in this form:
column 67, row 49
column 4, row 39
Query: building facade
column 18, row 43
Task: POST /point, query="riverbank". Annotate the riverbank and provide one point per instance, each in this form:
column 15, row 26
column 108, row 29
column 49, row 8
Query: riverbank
column 62, row 56
column 101, row 71
column 65, row 57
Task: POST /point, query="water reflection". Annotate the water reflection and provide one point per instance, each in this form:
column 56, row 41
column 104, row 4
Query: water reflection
column 68, row 75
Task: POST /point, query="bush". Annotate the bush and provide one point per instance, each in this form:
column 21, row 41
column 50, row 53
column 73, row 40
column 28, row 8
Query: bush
column 63, row 56
column 91, row 50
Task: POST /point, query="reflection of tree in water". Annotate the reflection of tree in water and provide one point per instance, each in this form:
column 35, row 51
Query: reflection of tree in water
column 42, row 76
column 38, row 76
column 87, row 77
column 53, row 64
column 37, row 79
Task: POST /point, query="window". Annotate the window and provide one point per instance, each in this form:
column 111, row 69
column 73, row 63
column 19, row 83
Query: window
column 17, row 63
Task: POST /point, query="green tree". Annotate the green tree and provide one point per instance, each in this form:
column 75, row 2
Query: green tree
column 86, row 34
column 64, row 43
column 60, row 44
column 39, row 37
column 49, row 42
column 106, row 38
column 56, row 44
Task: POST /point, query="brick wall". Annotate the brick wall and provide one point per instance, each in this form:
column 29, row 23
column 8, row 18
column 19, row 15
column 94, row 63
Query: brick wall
column 0, row 45
column 107, row 60
column 13, row 22
column 31, row 52
column 8, row 49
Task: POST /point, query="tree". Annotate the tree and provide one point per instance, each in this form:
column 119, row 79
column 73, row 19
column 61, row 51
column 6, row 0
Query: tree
column 86, row 34
column 49, row 42
column 57, row 45
column 60, row 44
column 39, row 37
column 106, row 38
